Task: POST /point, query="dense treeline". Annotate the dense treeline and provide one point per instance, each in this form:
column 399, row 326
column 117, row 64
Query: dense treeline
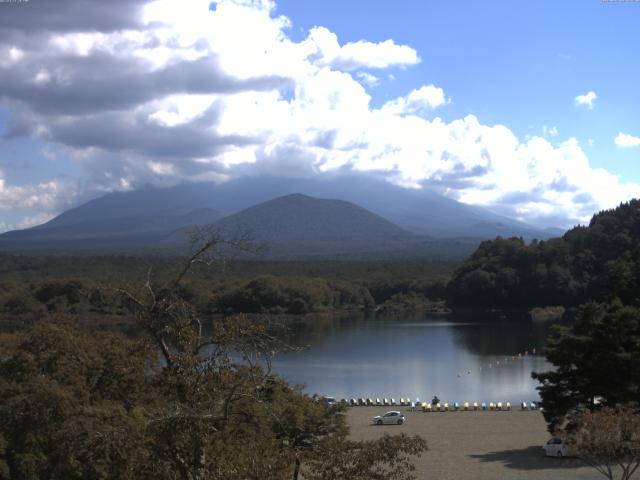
column 292, row 295
column 599, row 262
column 114, row 268
column 41, row 287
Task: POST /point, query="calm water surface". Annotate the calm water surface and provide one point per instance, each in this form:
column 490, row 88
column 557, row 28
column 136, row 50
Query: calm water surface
column 460, row 357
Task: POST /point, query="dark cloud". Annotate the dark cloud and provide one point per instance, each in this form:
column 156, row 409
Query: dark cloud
column 447, row 182
column 584, row 198
column 289, row 160
column 583, row 202
column 538, row 219
column 516, row 198
column 124, row 132
column 71, row 15
column 586, row 204
column 460, row 178
column 20, row 122
column 100, row 100
column 326, row 139
column 99, row 82
column 562, row 185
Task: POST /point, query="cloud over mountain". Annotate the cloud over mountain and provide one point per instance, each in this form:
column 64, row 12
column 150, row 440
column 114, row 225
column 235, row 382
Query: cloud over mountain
column 167, row 91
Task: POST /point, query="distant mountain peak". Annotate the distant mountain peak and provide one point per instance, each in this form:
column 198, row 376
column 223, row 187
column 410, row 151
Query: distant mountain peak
column 295, row 196
column 307, row 209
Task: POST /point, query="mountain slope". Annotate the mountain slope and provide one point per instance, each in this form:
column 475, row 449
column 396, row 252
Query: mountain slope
column 110, row 232
column 298, row 217
column 417, row 210
column 147, row 202
column 299, row 226
column 304, row 225
column 147, row 217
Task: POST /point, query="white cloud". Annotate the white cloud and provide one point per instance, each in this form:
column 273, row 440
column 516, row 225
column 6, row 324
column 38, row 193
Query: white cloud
column 624, row 140
column 475, row 163
column 179, row 109
column 10, row 56
column 425, row 98
column 44, row 196
column 42, row 77
column 202, row 93
column 587, row 100
column 26, row 222
column 360, row 54
column 368, row 79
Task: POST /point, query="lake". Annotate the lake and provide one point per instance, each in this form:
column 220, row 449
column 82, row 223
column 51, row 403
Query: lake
column 458, row 357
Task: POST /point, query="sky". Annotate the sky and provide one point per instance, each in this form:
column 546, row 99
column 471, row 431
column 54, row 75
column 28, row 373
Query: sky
column 530, row 109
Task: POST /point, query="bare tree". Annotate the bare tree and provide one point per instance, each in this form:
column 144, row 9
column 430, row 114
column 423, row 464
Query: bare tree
column 206, row 370
column 609, row 441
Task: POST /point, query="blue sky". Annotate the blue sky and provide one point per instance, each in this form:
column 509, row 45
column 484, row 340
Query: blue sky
column 518, row 63
column 477, row 100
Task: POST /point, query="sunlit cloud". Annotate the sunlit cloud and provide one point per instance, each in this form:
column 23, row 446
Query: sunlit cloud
column 587, row 100
column 422, row 99
column 368, row 79
column 624, row 140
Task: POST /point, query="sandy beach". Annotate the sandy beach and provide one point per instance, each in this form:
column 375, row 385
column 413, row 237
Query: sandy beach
column 475, row 445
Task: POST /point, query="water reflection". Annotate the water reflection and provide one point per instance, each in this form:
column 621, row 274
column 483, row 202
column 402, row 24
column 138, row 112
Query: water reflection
column 460, row 358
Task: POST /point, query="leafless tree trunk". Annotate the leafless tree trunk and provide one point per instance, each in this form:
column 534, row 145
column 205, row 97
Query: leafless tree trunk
column 198, row 366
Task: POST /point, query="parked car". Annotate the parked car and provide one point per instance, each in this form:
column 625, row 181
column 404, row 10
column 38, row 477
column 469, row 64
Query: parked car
column 329, row 401
column 557, row 447
column 389, row 418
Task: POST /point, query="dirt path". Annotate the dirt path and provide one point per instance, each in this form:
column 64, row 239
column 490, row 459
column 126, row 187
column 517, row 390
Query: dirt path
column 476, row 445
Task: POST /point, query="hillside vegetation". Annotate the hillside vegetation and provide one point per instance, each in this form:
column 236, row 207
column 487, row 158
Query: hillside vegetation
column 186, row 399
column 41, row 287
column 599, row 262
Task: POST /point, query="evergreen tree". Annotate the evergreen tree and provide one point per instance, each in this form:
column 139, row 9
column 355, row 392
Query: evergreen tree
column 596, row 362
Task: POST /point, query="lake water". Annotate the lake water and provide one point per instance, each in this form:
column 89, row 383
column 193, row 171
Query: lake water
column 458, row 357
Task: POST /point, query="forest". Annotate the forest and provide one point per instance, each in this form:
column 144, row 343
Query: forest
column 598, row 262
column 39, row 287
column 188, row 399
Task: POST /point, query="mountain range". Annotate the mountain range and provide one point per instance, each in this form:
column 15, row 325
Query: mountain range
column 350, row 217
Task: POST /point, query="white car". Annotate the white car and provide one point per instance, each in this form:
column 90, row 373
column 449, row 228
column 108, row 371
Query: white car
column 329, row 401
column 389, row 418
column 556, row 447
